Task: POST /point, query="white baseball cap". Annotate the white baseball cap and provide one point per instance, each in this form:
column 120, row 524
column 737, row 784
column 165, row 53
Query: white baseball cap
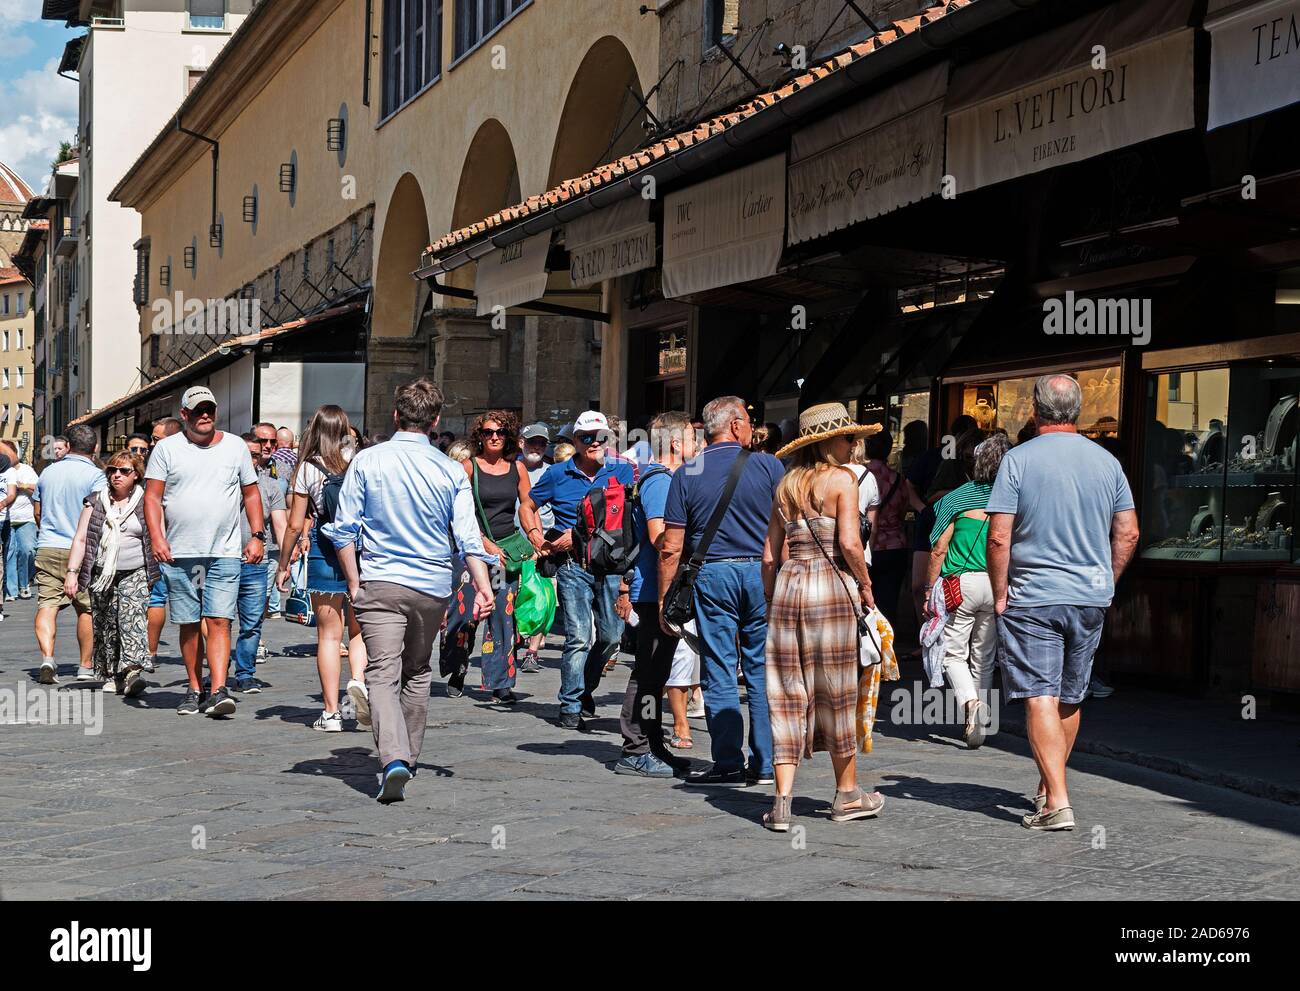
column 197, row 394
column 592, row 421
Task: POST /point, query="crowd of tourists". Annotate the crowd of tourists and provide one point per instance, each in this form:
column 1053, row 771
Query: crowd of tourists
column 722, row 553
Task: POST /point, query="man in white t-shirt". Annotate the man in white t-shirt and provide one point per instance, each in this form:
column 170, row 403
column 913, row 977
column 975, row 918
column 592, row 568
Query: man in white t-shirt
column 21, row 550
column 194, row 485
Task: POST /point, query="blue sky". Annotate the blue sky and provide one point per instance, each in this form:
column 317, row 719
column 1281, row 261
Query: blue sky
column 38, row 109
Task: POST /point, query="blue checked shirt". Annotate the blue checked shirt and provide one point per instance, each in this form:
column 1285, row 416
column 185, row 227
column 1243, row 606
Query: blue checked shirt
column 404, row 502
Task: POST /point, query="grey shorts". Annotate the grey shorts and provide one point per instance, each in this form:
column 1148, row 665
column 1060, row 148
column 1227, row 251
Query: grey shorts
column 1048, row 650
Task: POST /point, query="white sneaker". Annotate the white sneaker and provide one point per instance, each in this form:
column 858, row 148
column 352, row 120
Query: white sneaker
column 261, row 653
column 49, row 673
column 86, row 674
column 151, row 664
column 329, row 722
column 133, row 685
column 361, row 700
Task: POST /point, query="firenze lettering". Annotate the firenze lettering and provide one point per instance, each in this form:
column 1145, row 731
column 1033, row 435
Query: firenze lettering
column 1060, row 103
column 1281, row 41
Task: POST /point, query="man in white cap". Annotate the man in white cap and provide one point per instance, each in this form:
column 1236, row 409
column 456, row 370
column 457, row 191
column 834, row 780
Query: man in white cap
column 582, row 595
column 194, row 485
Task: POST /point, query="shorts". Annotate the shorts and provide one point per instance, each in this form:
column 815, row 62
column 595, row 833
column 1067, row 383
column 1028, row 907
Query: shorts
column 199, row 587
column 686, row 667
column 324, row 574
column 51, row 568
column 1048, row 650
column 158, row 594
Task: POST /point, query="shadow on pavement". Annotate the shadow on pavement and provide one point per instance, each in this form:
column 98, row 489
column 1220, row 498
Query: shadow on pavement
column 358, row 768
column 995, row 803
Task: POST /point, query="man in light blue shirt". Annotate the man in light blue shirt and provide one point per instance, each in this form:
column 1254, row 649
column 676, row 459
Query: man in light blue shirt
column 57, row 503
column 404, row 502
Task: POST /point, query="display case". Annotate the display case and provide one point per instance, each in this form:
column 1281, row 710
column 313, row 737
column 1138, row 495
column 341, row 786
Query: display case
column 1008, row 403
column 1220, row 464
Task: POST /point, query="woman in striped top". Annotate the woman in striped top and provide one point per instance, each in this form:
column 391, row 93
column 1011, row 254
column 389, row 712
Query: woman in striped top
column 958, row 557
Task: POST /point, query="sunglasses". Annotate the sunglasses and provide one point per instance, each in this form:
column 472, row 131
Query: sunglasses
column 138, row 450
column 264, row 441
column 587, row 439
column 490, row 432
column 119, row 470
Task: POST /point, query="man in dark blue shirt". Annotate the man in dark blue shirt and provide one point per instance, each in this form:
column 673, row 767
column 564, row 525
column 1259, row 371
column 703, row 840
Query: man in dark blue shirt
column 729, row 600
column 562, row 487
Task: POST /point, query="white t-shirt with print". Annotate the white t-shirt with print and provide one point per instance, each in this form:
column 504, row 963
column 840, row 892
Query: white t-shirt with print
column 21, row 511
column 868, row 494
column 203, row 497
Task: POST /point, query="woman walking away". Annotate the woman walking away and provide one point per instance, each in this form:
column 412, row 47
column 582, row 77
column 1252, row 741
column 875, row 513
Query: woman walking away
column 323, row 455
column 500, row 484
column 814, row 601
column 113, row 558
column 960, row 535
column 889, row 547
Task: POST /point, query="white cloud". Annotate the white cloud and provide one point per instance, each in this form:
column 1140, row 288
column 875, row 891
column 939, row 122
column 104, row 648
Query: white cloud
column 18, row 44
column 42, row 112
column 14, row 12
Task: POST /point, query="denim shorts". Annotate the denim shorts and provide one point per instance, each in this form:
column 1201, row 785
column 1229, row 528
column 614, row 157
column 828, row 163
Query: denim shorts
column 1048, row 650
column 324, row 573
column 202, row 586
column 158, row 594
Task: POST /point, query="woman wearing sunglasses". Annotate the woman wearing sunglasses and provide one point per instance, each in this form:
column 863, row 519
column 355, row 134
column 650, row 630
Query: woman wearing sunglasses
column 112, row 557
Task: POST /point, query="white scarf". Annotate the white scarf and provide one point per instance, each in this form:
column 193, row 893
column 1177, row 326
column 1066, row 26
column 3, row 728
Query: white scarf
column 110, row 537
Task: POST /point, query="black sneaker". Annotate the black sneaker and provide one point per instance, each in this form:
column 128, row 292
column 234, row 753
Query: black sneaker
column 588, row 706
column 189, row 705
column 530, row 664
column 757, row 778
column 571, row 720
column 248, row 686
column 713, row 777
column 456, row 685
column 504, row 696
column 219, row 703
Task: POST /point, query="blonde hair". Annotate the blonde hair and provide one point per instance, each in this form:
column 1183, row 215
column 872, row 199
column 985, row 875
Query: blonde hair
column 125, row 459
column 563, row 451
column 460, row 451
column 795, row 492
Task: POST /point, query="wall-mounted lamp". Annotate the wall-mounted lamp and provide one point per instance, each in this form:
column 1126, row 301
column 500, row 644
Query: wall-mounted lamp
column 288, row 177
column 334, row 133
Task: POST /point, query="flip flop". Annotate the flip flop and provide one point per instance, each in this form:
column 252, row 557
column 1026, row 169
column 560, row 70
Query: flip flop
column 681, row 743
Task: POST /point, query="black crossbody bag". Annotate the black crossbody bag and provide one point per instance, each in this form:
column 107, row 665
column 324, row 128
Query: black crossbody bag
column 679, row 602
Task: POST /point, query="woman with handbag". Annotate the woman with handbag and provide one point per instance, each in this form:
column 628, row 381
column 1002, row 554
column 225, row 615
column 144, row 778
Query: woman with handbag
column 817, row 604
column 324, row 452
column 958, row 560
column 500, row 483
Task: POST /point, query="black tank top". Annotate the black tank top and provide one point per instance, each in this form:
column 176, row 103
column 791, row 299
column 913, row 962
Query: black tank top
column 498, row 495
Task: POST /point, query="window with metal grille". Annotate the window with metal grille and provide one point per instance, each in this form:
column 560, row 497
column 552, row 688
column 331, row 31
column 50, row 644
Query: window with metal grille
column 412, row 49
column 476, row 19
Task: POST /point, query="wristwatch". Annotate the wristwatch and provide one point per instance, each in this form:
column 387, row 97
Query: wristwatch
column 259, row 535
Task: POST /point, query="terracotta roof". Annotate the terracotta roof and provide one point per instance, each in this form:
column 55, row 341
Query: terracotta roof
column 644, row 157
column 12, row 187
column 11, row 274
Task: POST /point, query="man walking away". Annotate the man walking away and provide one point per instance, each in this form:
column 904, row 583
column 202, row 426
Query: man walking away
column 404, row 502
column 1061, row 531
column 729, row 602
column 252, row 577
column 672, row 440
column 57, row 502
column 195, row 484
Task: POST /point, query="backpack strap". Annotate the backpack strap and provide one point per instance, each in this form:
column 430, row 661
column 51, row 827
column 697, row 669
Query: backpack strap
column 720, row 510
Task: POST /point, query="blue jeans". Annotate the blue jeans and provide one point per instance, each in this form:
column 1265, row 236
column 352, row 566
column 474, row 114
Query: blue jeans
column 252, row 604
column 729, row 608
column 272, row 593
column 20, row 558
column 583, row 596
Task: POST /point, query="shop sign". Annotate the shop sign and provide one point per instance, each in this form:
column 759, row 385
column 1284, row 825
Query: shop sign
column 1254, row 59
column 1142, row 92
column 512, row 275
column 725, row 231
column 882, row 154
column 615, row 241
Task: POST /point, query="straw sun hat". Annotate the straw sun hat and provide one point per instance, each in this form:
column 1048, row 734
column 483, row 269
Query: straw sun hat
column 818, row 423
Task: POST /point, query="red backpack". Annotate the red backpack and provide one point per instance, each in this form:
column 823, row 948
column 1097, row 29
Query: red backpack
column 605, row 540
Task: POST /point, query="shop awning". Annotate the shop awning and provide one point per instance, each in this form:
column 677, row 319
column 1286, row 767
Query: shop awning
column 879, row 155
column 1115, row 78
column 512, row 275
column 725, row 231
column 1254, row 58
column 617, row 240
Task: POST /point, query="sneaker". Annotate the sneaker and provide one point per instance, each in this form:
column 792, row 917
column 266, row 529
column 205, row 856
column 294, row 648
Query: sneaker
column 1050, row 822
column 571, row 720
column 133, row 685
column 274, row 615
column 49, row 673
column 456, row 686
column 504, row 696
column 86, row 674
column 329, row 722
column 1098, row 689
column 219, row 703
column 976, row 720
column 189, row 705
column 758, row 778
column 150, row 665
column 530, row 663
column 714, row 777
column 643, row 765
column 393, row 786
column 260, row 657
column 588, row 707
column 356, row 691
column 24, row 593
column 248, row 686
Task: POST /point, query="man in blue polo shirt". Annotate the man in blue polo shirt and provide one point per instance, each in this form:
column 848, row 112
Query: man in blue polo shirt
column 729, row 601
column 561, row 487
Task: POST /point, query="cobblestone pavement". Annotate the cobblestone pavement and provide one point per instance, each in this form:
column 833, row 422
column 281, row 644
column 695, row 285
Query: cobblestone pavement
column 507, row 805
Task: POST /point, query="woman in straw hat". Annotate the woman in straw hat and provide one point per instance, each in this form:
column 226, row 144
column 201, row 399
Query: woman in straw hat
column 814, row 600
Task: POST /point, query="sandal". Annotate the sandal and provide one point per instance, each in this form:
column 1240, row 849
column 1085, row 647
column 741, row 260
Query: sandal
column 870, row 805
column 681, row 742
column 778, row 820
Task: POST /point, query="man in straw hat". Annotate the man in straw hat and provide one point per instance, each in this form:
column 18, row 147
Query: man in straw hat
column 729, row 603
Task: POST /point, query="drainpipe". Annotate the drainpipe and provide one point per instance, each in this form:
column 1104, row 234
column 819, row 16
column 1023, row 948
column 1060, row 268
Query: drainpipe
column 216, row 155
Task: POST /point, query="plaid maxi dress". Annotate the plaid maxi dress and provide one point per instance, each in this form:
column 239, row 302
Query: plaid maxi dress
column 812, row 650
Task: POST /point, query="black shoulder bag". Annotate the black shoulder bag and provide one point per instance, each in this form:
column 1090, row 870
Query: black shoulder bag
column 679, row 602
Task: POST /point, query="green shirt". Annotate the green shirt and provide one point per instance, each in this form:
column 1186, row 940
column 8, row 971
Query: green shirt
column 966, row 549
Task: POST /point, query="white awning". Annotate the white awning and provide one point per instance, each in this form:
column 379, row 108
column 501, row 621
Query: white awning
column 872, row 158
column 1254, row 58
column 512, row 275
column 608, row 243
column 1010, row 114
column 725, row 231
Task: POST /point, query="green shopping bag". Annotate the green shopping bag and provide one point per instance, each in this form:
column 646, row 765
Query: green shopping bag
column 534, row 602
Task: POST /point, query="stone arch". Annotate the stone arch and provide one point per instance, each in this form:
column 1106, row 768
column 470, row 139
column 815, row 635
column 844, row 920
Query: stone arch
column 489, row 181
column 600, row 120
column 405, row 236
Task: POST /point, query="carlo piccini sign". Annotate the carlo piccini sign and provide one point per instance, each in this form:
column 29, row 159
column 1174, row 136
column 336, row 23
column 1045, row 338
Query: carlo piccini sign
column 615, row 241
